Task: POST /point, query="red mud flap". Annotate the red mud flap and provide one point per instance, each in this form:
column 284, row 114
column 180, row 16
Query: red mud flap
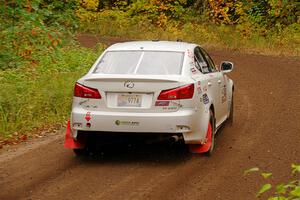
column 202, row 148
column 70, row 143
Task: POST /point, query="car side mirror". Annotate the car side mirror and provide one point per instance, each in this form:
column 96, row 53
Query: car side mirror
column 226, row 66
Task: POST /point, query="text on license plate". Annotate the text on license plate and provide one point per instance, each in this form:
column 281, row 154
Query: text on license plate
column 129, row 100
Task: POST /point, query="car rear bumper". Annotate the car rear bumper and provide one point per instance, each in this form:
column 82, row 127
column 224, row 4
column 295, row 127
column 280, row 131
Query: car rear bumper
column 191, row 123
column 171, row 122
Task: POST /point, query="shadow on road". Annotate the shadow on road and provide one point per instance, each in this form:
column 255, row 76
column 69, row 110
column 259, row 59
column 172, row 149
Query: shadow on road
column 162, row 152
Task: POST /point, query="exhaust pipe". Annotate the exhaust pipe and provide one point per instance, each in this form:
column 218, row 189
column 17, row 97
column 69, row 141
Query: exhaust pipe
column 172, row 139
column 175, row 138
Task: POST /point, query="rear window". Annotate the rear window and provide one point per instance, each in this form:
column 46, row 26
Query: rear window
column 140, row 62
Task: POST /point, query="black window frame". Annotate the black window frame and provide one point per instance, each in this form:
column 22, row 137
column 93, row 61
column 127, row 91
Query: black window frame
column 198, row 56
column 208, row 60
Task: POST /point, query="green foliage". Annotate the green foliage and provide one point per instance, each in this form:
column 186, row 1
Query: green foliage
column 30, row 29
column 155, row 11
column 295, row 168
column 254, row 169
column 39, row 63
column 283, row 191
column 265, row 13
column 271, row 12
column 266, row 174
column 116, row 23
column 225, row 12
column 34, row 96
column 158, row 12
column 264, row 188
column 248, row 25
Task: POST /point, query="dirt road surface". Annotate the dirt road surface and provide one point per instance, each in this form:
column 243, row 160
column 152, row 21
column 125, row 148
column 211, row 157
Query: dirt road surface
column 265, row 133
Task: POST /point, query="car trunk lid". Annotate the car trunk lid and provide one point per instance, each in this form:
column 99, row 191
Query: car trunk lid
column 132, row 93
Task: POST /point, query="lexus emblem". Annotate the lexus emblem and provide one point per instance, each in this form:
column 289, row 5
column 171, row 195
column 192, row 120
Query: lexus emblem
column 129, row 84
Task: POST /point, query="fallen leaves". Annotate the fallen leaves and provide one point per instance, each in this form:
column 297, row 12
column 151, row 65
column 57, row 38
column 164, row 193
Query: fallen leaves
column 17, row 138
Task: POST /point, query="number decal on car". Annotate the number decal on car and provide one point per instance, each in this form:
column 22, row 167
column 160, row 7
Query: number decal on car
column 205, row 99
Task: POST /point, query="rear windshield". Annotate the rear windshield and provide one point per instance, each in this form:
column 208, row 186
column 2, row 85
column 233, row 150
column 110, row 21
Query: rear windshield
column 141, row 62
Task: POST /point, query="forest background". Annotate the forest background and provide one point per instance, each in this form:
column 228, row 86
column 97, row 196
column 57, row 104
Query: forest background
column 40, row 58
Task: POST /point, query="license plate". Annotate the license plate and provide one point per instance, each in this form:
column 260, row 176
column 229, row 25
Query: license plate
column 129, row 100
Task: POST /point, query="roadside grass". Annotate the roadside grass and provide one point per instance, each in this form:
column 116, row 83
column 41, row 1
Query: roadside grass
column 39, row 64
column 244, row 38
column 40, row 94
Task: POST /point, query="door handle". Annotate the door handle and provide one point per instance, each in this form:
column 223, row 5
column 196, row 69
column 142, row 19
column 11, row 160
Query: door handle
column 209, row 84
column 219, row 81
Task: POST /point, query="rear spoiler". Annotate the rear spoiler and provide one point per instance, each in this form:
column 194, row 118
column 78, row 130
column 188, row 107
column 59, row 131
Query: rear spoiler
column 137, row 78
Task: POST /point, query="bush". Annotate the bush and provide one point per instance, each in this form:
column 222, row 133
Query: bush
column 34, row 96
column 30, row 29
column 282, row 191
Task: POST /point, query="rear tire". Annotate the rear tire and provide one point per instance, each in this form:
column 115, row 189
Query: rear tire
column 213, row 134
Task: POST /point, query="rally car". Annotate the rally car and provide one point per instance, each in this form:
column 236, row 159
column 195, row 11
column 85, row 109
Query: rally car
column 157, row 88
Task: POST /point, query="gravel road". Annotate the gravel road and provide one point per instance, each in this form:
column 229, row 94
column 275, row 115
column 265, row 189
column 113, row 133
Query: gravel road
column 265, row 133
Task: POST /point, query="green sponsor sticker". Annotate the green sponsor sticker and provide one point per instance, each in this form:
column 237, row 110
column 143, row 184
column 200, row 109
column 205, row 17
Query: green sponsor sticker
column 128, row 123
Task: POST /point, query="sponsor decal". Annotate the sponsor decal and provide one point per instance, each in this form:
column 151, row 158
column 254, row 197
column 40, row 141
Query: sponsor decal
column 162, row 103
column 168, row 105
column 84, row 101
column 224, row 94
column 126, row 123
column 91, row 106
column 86, row 104
column 205, row 99
column 193, row 70
column 190, row 53
column 176, row 104
column 170, row 108
column 88, row 116
column 199, row 89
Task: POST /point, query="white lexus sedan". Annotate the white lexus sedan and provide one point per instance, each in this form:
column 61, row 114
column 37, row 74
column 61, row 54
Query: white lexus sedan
column 161, row 89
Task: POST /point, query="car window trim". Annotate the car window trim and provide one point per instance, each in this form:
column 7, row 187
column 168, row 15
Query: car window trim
column 212, row 66
column 204, row 59
column 197, row 61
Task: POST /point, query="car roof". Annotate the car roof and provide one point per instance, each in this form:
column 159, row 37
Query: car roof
column 152, row 45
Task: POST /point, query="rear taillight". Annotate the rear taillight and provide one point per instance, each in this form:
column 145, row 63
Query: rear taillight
column 86, row 92
column 184, row 92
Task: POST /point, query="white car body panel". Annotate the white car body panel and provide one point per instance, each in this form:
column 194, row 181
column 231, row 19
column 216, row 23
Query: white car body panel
column 187, row 116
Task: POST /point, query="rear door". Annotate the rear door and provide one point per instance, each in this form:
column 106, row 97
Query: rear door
column 218, row 85
column 209, row 81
